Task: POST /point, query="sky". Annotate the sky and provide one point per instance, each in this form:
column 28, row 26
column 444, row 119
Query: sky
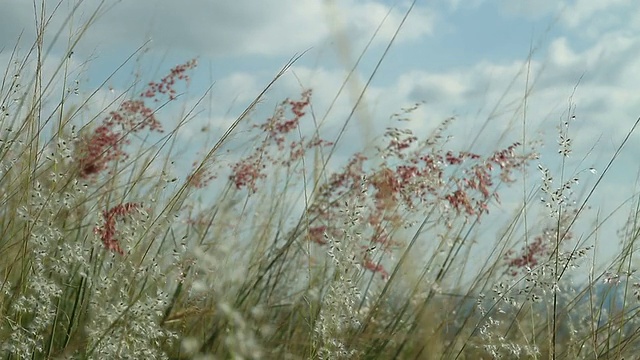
column 472, row 59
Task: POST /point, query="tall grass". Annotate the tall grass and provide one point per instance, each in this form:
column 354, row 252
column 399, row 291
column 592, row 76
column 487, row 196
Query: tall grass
column 110, row 252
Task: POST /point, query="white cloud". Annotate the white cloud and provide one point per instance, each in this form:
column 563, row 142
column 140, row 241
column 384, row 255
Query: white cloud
column 580, row 13
column 531, row 9
column 224, row 29
column 361, row 18
column 239, row 87
column 455, row 5
column 433, row 87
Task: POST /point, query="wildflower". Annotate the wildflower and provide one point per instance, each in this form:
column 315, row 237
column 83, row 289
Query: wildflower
column 107, row 231
column 106, row 143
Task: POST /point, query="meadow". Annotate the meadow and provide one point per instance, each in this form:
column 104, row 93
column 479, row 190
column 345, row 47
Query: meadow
column 277, row 251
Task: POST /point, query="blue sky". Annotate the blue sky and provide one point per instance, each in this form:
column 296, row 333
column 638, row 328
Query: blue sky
column 462, row 58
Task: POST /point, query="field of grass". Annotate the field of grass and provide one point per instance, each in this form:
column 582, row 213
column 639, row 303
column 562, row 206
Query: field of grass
column 277, row 251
